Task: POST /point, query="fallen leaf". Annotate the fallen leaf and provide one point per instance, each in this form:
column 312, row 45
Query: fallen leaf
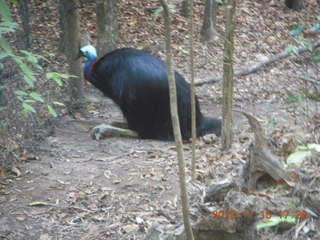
column 3, row 173
column 16, row 171
column 21, row 218
column 298, row 157
column 45, row 236
column 38, row 204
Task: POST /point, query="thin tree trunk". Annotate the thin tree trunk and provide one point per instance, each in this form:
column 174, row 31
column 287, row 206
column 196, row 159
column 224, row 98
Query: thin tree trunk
column 295, row 4
column 185, row 8
column 107, row 26
column 228, row 77
column 208, row 30
column 3, row 99
column 175, row 123
column 72, row 49
column 24, row 12
column 193, row 99
column 62, row 22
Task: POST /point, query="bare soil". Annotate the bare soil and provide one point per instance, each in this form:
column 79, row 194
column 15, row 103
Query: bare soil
column 74, row 187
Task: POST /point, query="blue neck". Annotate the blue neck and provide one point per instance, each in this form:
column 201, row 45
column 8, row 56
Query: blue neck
column 89, row 62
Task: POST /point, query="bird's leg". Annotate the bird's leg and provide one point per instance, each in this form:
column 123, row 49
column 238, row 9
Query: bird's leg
column 115, row 128
column 117, row 124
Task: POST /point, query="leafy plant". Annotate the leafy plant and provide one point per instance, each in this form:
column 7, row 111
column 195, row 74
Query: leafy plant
column 304, row 151
column 274, row 221
column 57, row 77
column 303, row 40
column 296, row 104
column 25, row 62
column 297, row 29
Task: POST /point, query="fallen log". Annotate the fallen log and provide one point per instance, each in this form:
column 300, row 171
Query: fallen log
column 258, row 66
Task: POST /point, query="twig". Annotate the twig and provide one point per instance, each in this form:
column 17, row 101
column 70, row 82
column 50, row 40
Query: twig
column 313, row 81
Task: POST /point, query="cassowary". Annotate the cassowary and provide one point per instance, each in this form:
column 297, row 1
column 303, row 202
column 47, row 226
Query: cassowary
column 137, row 82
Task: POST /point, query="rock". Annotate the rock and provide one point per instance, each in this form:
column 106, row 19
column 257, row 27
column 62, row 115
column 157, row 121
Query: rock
column 130, row 228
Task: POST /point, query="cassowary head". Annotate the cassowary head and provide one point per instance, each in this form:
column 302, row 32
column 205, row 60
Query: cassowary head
column 88, row 51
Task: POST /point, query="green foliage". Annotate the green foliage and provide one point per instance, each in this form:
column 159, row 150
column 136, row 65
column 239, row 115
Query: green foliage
column 274, row 221
column 57, row 77
column 58, row 103
column 50, row 54
column 172, row 9
column 315, row 28
column 5, row 12
column 246, row 10
column 306, row 93
column 34, row 97
column 304, row 151
column 298, row 30
column 7, row 27
column 26, row 62
column 5, row 46
column 272, row 123
column 296, row 104
column 185, row 51
column 316, row 56
column 301, row 39
column 27, row 108
column 14, row 2
column 293, row 48
column 52, row 111
column 33, row 59
column 298, row 157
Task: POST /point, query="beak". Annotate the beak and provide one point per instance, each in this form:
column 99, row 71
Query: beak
column 79, row 55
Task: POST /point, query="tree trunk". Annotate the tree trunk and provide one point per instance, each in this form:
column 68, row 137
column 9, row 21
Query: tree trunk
column 209, row 27
column 185, row 8
column 72, row 49
column 7, row 70
column 175, row 123
column 107, row 26
column 62, row 22
column 295, row 4
column 228, row 77
column 24, row 13
column 193, row 98
column 3, row 98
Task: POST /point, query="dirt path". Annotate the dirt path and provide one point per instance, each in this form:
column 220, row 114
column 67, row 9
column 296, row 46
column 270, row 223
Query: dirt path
column 118, row 187
column 90, row 187
column 115, row 188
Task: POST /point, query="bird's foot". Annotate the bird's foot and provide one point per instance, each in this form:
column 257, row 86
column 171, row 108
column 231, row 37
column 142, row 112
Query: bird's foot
column 103, row 130
column 99, row 131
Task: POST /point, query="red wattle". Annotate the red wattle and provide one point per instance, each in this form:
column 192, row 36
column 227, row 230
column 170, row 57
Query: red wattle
column 93, row 65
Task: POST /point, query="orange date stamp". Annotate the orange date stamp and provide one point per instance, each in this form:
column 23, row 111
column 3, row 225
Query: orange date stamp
column 265, row 214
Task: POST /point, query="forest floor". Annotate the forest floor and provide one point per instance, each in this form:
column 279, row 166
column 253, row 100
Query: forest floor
column 74, row 187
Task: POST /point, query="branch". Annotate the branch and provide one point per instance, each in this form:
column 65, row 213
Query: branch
column 175, row 123
column 260, row 65
column 261, row 158
column 317, row 81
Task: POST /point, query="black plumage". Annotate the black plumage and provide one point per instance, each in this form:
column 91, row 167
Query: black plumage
column 137, row 82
